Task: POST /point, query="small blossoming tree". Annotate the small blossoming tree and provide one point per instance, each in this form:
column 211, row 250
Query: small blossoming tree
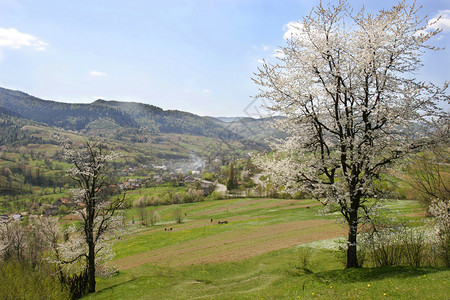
column 98, row 208
column 350, row 105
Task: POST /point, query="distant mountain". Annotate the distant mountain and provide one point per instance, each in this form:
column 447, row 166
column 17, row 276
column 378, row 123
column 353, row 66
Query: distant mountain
column 156, row 119
column 258, row 130
column 6, row 112
column 111, row 115
column 67, row 116
column 134, row 122
column 229, row 119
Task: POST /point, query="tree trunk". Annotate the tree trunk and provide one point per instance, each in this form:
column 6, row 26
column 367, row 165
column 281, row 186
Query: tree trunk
column 91, row 268
column 352, row 257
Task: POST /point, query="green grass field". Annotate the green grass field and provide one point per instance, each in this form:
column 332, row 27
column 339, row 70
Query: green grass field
column 257, row 255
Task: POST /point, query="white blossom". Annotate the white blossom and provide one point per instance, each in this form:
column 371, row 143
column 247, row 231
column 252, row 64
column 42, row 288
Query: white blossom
column 351, row 108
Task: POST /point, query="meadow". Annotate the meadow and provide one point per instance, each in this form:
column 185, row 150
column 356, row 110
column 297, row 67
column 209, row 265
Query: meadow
column 269, row 249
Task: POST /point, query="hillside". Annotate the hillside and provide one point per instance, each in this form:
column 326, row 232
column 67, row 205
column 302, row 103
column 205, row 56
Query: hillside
column 64, row 115
column 115, row 115
column 134, row 121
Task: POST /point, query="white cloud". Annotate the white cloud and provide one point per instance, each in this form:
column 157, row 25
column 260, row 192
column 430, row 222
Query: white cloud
column 293, row 29
column 97, row 73
column 12, row 38
column 443, row 22
column 207, row 91
column 420, row 32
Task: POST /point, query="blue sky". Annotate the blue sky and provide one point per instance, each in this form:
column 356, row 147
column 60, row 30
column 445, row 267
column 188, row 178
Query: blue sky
column 192, row 55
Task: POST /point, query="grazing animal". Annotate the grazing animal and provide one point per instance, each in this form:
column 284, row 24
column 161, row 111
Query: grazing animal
column 170, row 228
column 222, row 222
column 212, row 220
column 165, row 229
column 307, row 207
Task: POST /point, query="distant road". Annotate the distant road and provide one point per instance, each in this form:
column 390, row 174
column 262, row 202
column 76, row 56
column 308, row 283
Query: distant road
column 258, row 181
column 220, row 188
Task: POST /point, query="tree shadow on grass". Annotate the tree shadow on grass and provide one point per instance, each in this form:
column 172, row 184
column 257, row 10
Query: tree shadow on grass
column 369, row 274
column 111, row 287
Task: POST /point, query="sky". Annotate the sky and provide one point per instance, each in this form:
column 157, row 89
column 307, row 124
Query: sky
column 191, row 55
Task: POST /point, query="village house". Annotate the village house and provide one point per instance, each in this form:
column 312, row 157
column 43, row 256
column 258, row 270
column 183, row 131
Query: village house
column 64, row 201
column 51, row 211
column 17, row 217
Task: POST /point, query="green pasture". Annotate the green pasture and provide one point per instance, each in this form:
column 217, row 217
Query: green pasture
column 276, row 275
column 200, row 259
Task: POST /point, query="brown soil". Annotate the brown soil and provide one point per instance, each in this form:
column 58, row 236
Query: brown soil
column 300, row 206
column 71, row 217
column 416, row 214
column 236, row 245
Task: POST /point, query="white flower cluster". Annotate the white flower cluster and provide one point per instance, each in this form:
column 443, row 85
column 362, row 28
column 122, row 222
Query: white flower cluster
column 440, row 210
column 343, row 85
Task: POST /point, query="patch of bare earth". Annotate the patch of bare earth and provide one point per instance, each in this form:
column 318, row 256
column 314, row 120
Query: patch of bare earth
column 71, row 217
column 397, row 174
column 417, row 214
column 236, row 245
column 300, row 206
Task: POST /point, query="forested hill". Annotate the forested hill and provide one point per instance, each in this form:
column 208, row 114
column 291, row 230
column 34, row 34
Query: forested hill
column 108, row 115
column 156, row 119
column 67, row 116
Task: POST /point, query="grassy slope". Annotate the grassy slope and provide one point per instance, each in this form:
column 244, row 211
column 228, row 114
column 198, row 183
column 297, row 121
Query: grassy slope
column 270, row 275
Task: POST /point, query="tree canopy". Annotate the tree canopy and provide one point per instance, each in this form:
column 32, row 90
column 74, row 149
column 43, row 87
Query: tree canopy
column 345, row 85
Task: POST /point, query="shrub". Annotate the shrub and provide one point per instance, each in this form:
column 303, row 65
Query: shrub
column 178, row 215
column 142, row 215
column 398, row 245
column 63, row 209
column 304, row 259
column 19, row 280
column 415, row 247
column 207, row 176
column 217, row 196
column 77, row 284
column 154, row 217
column 177, row 198
column 141, row 202
column 155, row 201
column 193, row 195
column 440, row 210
